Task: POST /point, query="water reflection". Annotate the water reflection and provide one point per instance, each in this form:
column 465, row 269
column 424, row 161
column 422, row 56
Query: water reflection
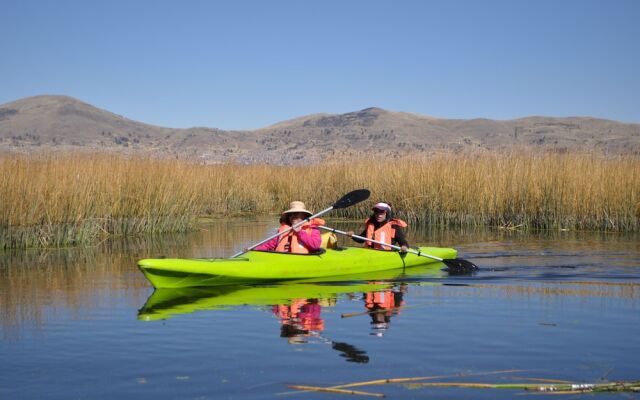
column 382, row 305
column 167, row 303
column 301, row 322
column 301, row 318
column 34, row 284
column 37, row 285
column 564, row 304
column 298, row 307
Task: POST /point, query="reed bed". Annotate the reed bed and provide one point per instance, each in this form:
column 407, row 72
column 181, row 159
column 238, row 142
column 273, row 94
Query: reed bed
column 63, row 200
column 549, row 191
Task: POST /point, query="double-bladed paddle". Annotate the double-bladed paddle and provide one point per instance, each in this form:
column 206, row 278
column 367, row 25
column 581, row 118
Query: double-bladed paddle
column 345, row 201
column 456, row 265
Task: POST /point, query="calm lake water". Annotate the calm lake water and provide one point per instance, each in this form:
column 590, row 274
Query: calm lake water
column 85, row 323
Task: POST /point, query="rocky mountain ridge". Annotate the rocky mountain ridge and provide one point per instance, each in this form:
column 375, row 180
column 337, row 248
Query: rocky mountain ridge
column 60, row 123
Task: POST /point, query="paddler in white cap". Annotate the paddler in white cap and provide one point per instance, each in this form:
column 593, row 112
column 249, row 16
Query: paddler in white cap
column 381, row 226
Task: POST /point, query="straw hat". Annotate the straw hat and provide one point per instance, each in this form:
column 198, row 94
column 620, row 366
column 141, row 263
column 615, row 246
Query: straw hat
column 296, row 207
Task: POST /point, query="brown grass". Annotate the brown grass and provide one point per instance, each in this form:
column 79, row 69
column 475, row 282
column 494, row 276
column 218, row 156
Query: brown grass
column 547, row 191
column 70, row 199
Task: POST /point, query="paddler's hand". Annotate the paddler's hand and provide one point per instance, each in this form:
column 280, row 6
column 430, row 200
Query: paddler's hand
column 403, row 249
column 297, row 229
column 349, row 233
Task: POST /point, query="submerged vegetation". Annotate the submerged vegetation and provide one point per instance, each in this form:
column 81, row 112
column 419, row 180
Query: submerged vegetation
column 63, row 200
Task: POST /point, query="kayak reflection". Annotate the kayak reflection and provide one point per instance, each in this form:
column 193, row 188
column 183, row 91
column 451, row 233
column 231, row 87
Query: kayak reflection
column 166, row 303
column 298, row 305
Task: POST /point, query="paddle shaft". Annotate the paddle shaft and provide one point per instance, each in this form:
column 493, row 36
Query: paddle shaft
column 418, row 253
column 304, row 221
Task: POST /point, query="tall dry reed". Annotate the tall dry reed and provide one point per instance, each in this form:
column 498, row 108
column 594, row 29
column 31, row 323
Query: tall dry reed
column 548, row 191
column 64, row 200
column 70, row 199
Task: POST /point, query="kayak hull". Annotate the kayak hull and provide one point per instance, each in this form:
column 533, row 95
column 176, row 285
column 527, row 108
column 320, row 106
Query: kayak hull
column 261, row 266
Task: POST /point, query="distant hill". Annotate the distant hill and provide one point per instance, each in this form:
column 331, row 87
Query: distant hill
column 54, row 123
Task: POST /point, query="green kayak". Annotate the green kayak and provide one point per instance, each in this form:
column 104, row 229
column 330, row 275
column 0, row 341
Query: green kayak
column 262, row 266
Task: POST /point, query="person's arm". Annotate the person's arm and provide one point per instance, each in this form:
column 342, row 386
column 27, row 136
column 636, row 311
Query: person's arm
column 400, row 237
column 311, row 241
column 363, row 234
column 268, row 246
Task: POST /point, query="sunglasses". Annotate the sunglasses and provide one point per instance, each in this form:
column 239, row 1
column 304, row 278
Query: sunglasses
column 297, row 215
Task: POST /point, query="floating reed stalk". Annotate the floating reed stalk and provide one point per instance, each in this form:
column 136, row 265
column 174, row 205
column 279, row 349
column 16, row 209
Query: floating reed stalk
column 552, row 388
column 420, row 378
column 573, row 388
column 331, row 390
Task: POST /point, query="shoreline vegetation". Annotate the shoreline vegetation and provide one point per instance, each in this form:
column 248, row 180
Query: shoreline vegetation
column 78, row 199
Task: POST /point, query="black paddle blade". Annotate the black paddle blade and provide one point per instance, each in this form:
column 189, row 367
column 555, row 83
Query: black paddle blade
column 352, row 198
column 458, row 266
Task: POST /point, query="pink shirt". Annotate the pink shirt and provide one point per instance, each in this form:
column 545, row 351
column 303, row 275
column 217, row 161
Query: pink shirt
column 311, row 241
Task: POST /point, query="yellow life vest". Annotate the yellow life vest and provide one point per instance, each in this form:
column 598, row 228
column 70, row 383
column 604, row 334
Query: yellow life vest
column 329, row 240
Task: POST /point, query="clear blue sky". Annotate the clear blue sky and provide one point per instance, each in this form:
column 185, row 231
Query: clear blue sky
column 248, row 64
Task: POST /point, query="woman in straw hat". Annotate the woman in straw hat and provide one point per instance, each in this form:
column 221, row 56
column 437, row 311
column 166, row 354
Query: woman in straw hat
column 302, row 239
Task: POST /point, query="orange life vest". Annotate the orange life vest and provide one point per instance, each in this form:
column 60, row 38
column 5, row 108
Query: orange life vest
column 287, row 312
column 383, row 299
column 288, row 242
column 384, row 233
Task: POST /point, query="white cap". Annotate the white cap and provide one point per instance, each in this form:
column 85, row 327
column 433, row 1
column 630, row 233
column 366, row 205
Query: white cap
column 382, row 206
